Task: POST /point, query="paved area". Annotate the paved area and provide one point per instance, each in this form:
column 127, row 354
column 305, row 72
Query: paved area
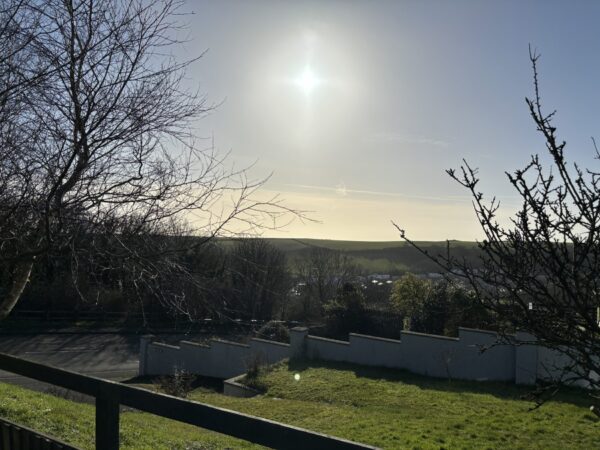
column 113, row 356
column 110, row 356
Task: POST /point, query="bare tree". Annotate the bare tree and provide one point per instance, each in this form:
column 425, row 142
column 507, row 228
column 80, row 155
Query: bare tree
column 259, row 280
column 541, row 272
column 17, row 24
column 97, row 156
column 323, row 273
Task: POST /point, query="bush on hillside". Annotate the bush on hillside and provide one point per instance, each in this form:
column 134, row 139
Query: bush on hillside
column 274, row 331
column 179, row 384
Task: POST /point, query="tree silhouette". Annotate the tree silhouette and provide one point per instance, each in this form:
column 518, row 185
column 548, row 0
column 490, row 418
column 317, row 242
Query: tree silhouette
column 541, row 272
column 97, row 155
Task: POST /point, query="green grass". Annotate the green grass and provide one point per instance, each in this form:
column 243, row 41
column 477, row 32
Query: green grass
column 386, row 408
column 374, row 256
column 379, row 257
column 393, row 409
column 288, row 244
column 294, row 244
column 74, row 423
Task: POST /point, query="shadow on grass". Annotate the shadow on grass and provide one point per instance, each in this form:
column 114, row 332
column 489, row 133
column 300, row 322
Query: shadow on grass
column 501, row 390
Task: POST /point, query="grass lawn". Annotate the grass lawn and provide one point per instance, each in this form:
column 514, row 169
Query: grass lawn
column 386, row 408
column 74, row 423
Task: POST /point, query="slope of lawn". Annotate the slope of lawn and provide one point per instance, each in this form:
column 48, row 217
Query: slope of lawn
column 386, row 408
column 394, row 409
column 74, row 423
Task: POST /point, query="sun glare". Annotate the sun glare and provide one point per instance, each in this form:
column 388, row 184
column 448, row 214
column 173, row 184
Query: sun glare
column 307, row 81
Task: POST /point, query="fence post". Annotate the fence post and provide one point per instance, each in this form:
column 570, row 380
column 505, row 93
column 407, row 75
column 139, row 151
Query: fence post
column 107, row 420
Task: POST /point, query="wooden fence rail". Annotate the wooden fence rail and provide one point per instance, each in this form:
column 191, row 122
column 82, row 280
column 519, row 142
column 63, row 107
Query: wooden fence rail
column 109, row 395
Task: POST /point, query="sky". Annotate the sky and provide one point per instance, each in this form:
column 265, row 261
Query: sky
column 356, row 108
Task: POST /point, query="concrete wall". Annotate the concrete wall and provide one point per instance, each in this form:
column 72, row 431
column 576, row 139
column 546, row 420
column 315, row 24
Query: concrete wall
column 220, row 359
column 233, row 388
column 436, row 356
column 375, row 351
column 160, row 359
column 327, row 349
column 482, row 358
column 269, row 351
column 535, row 362
column 519, row 360
column 551, row 364
column 526, row 359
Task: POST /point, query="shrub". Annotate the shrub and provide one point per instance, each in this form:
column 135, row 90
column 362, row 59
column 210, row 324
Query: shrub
column 256, row 366
column 179, row 384
column 274, row 331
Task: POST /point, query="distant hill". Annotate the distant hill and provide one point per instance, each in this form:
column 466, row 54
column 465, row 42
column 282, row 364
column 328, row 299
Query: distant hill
column 393, row 257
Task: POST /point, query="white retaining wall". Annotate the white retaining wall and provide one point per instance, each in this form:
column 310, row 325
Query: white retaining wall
column 436, row 356
column 431, row 355
column 220, row 359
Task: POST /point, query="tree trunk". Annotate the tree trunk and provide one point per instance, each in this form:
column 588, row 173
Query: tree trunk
column 20, row 278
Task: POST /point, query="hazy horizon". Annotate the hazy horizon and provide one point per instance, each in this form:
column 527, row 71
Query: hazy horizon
column 357, row 108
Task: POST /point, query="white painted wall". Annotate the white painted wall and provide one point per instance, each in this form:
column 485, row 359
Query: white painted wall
column 431, row 355
column 220, row 359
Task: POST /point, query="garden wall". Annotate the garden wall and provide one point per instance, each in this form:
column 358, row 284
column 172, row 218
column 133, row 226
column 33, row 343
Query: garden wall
column 438, row 356
column 220, row 359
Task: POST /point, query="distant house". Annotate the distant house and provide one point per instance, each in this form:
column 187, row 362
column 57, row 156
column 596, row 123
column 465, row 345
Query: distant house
column 380, row 276
column 434, row 275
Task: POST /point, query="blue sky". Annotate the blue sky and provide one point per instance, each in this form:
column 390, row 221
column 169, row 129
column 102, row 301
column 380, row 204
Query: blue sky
column 398, row 92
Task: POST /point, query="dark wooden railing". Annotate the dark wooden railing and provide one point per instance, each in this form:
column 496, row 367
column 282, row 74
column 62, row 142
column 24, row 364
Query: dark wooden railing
column 18, row 437
column 109, row 395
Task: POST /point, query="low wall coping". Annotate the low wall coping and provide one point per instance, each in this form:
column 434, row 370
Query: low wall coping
column 526, row 337
column 376, row 338
column 162, row 344
column 495, row 333
column 223, row 341
column 283, row 344
column 477, row 330
column 435, row 336
column 333, row 341
column 194, row 344
column 235, row 383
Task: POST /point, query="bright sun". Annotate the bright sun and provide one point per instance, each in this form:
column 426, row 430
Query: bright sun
column 307, row 81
